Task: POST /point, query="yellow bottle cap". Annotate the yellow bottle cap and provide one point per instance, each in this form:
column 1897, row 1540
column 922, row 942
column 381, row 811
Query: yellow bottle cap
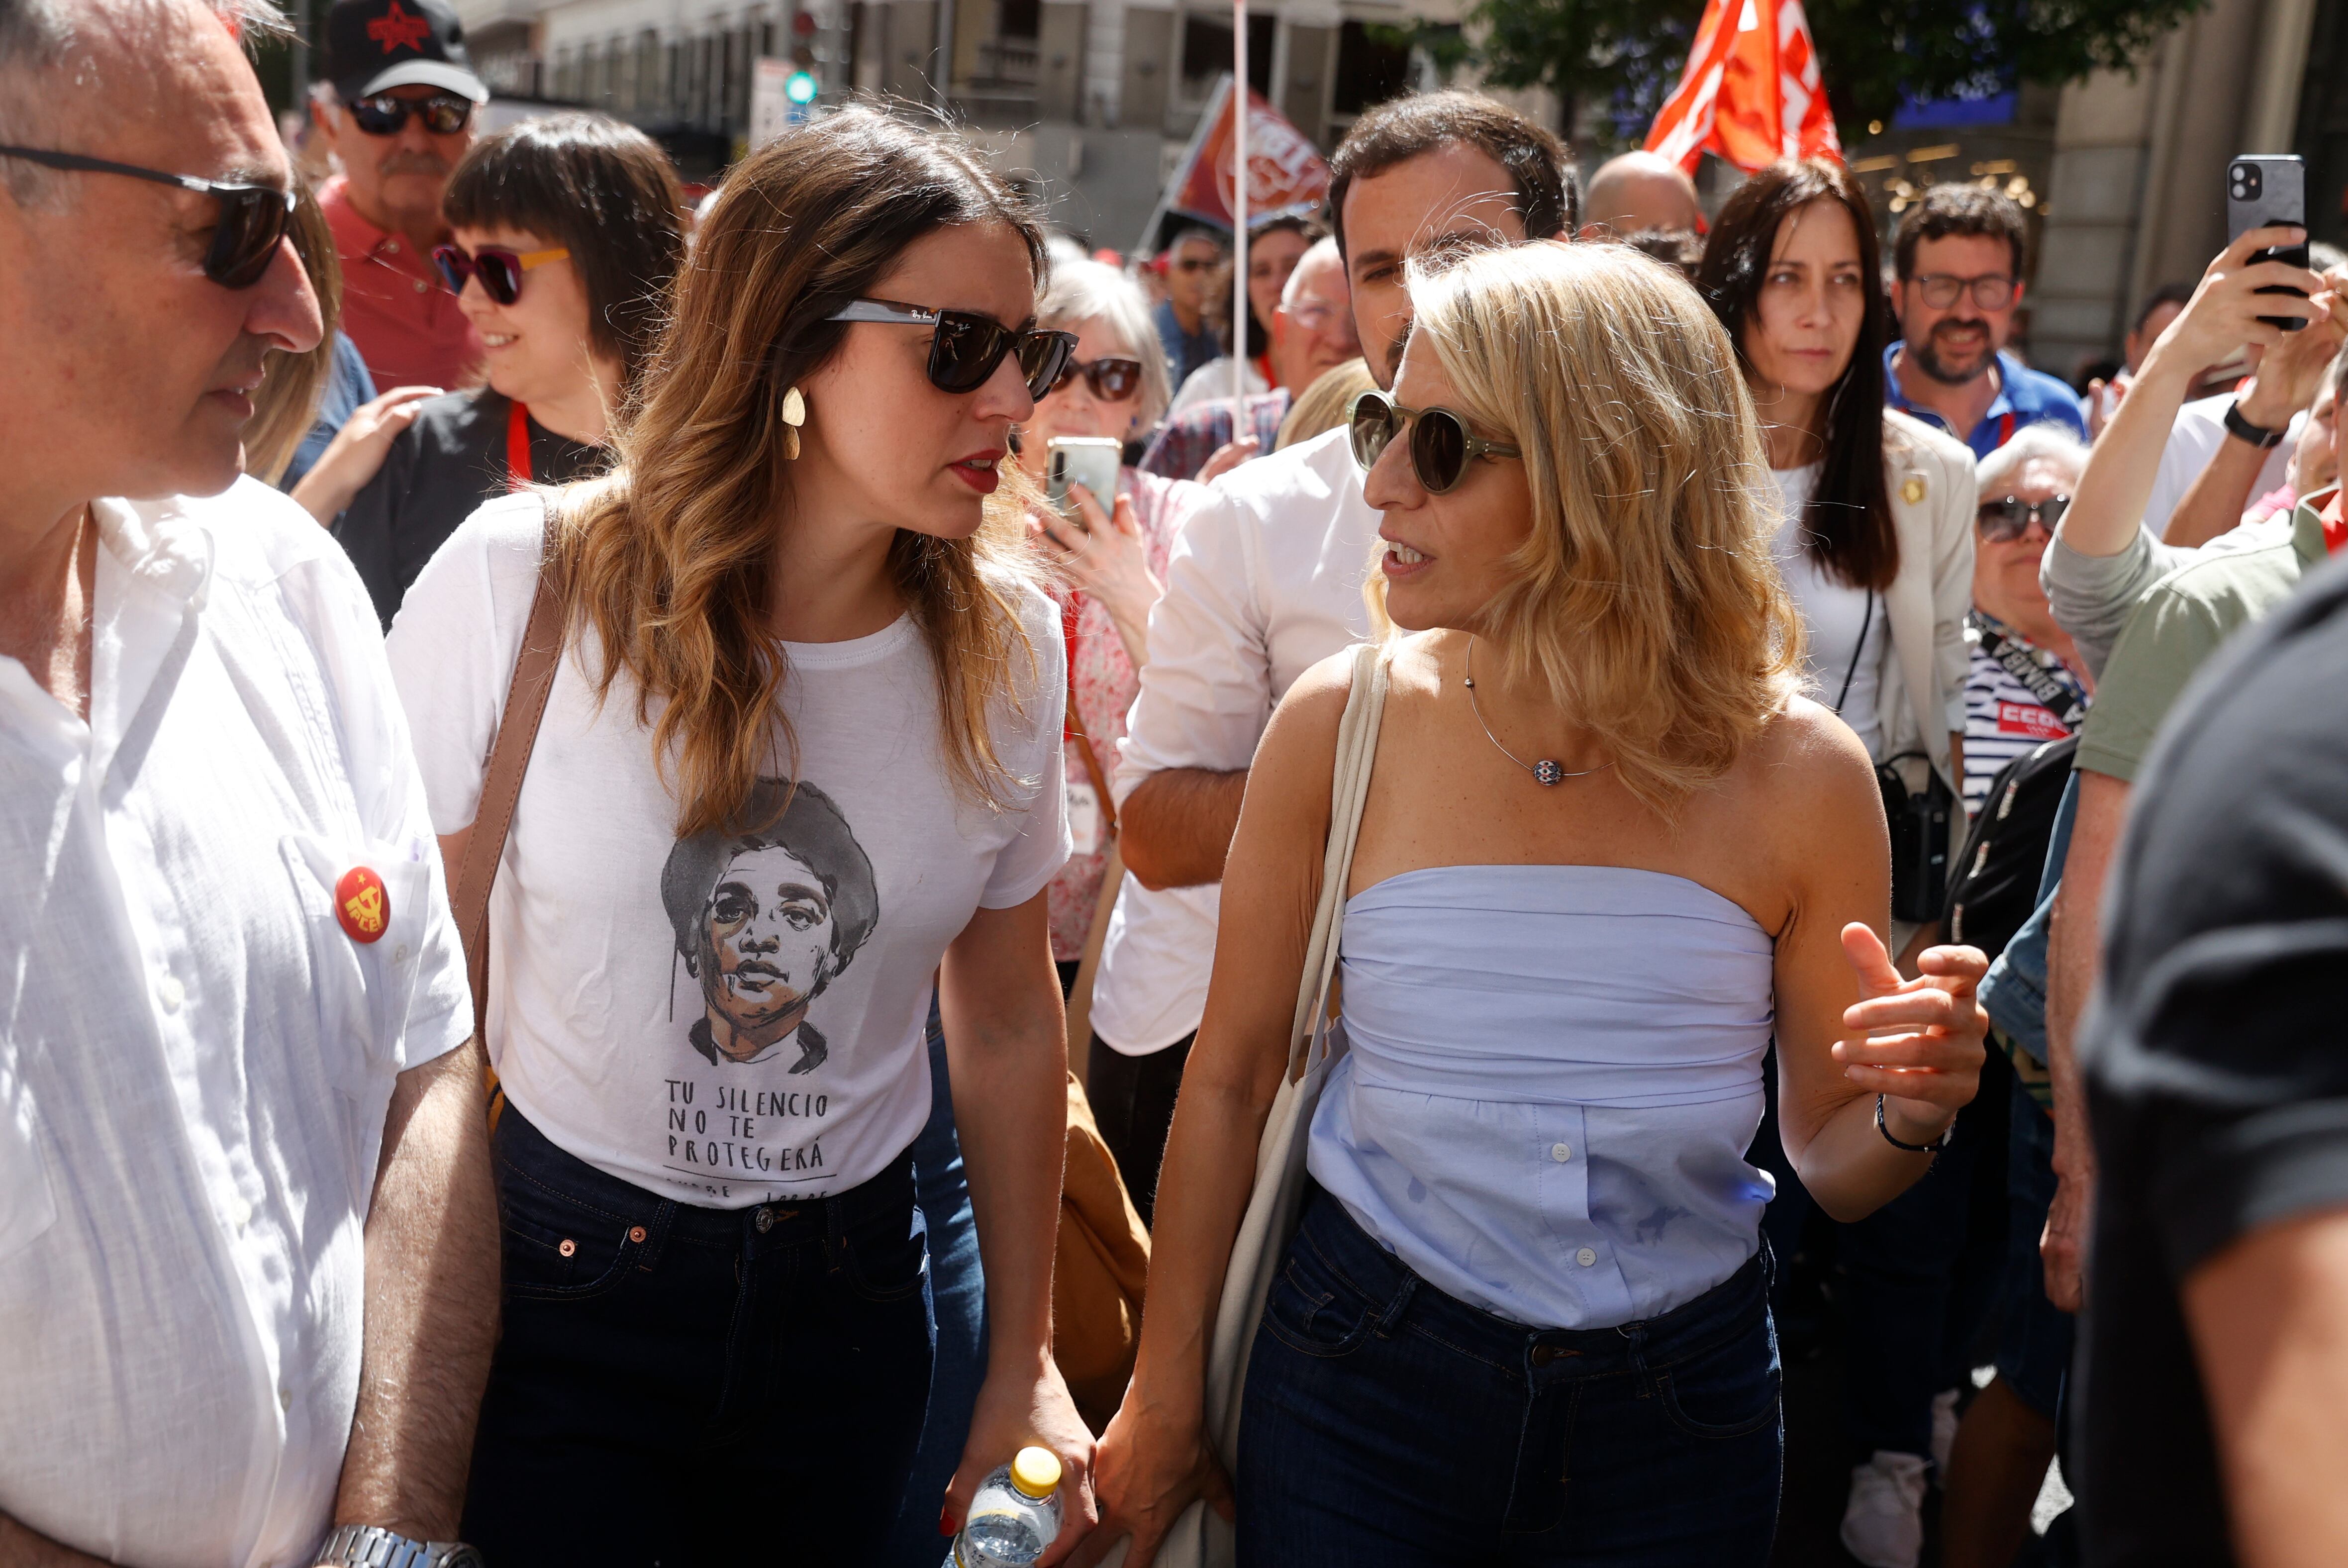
column 1036, row 1471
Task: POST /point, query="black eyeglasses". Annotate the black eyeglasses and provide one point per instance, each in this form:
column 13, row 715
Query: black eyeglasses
column 444, row 114
column 2011, row 518
column 1441, row 446
column 1994, row 291
column 500, row 268
column 252, row 218
column 966, row 347
column 1112, row 380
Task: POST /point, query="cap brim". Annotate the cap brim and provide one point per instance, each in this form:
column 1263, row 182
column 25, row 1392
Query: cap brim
column 424, row 74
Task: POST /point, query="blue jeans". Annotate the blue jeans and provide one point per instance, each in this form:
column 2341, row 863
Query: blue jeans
column 958, row 1287
column 1386, row 1423
column 682, row 1386
column 2035, row 1336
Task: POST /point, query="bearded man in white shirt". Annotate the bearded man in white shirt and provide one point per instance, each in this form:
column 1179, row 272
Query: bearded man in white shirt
column 1265, row 582
column 248, row 1242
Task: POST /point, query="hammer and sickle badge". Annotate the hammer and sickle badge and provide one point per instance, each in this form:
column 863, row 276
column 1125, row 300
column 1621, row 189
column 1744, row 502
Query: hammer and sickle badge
column 362, row 905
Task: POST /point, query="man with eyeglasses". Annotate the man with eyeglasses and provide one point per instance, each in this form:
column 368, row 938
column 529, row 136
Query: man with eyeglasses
column 248, row 1243
column 397, row 110
column 1959, row 256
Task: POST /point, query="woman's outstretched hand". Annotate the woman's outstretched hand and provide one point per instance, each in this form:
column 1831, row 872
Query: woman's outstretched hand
column 1919, row 1043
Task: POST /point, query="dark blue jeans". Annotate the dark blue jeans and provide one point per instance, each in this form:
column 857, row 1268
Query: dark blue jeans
column 680, row 1386
column 958, row 1291
column 2035, row 1336
column 1386, row 1423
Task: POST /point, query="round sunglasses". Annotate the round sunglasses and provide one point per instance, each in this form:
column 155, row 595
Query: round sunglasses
column 444, row 114
column 1440, row 445
column 1112, row 380
column 252, row 218
column 498, row 268
column 2010, row 518
column 966, row 347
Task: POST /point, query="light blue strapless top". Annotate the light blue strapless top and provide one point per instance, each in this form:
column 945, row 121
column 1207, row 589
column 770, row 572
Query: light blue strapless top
column 1552, row 1075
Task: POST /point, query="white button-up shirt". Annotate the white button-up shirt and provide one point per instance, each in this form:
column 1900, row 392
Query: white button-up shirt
column 195, row 1061
column 1265, row 584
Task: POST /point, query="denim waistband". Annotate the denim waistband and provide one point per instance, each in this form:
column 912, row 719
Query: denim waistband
column 525, row 1153
column 1407, row 1300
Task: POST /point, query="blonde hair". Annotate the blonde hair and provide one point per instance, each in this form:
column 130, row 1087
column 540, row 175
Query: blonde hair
column 1084, row 290
column 1647, row 597
column 1324, row 405
column 670, row 557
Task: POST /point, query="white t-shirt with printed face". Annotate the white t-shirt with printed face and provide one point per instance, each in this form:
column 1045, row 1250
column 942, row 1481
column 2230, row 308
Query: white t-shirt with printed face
column 734, row 1017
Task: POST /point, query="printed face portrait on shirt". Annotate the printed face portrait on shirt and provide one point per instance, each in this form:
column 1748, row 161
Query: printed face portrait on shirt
column 765, row 919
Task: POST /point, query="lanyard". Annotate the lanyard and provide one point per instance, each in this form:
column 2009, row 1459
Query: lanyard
column 1073, row 727
column 517, row 446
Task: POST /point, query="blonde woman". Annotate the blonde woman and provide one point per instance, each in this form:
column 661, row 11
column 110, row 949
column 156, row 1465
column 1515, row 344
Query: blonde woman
column 801, row 755
column 1525, row 1318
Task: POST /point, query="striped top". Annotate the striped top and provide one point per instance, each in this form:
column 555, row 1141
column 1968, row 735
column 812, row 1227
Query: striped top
column 2003, row 717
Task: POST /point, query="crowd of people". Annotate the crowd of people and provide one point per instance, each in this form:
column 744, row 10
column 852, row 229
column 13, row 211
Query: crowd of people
column 636, row 935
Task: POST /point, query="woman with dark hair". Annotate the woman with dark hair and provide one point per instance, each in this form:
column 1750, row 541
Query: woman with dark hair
column 565, row 234
column 1875, row 545
column 799, row 771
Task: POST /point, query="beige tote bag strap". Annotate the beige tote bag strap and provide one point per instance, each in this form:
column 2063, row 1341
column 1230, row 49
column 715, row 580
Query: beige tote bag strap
column 1349, row 787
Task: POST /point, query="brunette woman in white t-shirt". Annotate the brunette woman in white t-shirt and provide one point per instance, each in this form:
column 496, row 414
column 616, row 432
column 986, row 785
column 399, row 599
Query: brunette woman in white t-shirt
column 801, row 755
column 1877, row 548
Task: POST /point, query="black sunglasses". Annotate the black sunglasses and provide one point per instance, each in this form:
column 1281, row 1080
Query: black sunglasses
column 252, row 218
column 1441, row 446
column 500, row 268
column 966, row 347
column 444, row 114
column 2011, row 518
column 1112, row 380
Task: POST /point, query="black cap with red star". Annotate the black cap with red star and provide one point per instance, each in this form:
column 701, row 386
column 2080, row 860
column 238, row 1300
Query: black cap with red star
column 372, row 44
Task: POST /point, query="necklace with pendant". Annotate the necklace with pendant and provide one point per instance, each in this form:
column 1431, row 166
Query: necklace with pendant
column 1548, row 770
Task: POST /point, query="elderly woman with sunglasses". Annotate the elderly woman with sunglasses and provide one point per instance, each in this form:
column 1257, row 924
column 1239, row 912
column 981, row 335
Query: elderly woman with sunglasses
column 1113, row 555
column 2025, row 683
column 565, row 233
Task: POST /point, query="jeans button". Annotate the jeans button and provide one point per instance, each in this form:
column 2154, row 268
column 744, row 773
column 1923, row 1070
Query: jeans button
column 765, row 1220
column 1544, row 1354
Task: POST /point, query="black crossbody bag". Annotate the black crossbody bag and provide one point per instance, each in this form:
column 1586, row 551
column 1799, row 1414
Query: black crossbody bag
column 1919, row 819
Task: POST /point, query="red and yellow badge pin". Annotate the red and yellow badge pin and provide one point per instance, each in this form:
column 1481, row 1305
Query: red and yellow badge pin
column 362, row 905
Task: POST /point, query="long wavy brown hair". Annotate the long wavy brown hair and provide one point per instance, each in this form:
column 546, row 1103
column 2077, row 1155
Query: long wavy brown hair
column 670, row 558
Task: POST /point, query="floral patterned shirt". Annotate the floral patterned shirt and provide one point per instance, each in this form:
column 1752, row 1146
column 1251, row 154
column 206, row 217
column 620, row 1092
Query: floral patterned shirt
column 1104, row 683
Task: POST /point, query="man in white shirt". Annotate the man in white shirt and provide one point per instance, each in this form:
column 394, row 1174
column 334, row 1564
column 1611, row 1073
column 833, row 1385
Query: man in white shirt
column 247, row 1244
column 1265, row 582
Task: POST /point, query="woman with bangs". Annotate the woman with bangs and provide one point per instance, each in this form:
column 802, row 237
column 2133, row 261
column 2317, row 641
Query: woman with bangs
column 801, row 753
column 1607, row 852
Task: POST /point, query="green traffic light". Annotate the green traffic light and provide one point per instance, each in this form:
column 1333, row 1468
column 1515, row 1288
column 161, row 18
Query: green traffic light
column 800, row 89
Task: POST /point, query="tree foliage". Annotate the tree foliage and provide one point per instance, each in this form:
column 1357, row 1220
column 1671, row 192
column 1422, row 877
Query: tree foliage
column 1876, row 54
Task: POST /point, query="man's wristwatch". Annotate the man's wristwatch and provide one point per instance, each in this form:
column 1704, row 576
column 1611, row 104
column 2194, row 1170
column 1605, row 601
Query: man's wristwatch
column 2243, row 429
column 366, row 1546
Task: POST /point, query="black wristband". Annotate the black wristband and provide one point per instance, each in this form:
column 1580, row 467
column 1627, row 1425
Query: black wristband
column 1933, row 1147
column 2243, row 429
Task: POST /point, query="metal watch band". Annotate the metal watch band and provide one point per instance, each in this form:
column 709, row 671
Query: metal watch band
column 370, row 1546
column 2241, row 429
column 1934, row 1146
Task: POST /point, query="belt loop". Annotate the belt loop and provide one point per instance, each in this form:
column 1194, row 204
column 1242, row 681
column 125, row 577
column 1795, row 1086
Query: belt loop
column 1390, row 1317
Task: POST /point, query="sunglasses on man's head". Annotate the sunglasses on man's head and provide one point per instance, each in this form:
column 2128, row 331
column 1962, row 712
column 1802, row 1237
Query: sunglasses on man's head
column 1440, row 445
column 2010, row 519
column 966, row 347
column 252, row 218
column 1112, row 380
column 498, row 268
column 444, row 114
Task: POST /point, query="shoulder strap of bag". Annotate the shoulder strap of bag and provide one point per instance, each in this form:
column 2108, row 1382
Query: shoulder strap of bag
column 2035, row 678
column 1349, row 786
column 533, row 679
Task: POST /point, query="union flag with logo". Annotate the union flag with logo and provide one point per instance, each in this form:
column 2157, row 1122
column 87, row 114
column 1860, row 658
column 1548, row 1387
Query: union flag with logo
column 1752, row 92
column 1285, row 175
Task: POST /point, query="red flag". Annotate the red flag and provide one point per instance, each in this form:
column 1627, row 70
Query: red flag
column 1752, row 92
column 1284, row 173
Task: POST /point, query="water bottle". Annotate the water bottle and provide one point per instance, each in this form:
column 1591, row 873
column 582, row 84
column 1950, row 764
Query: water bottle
column 1014, row 1516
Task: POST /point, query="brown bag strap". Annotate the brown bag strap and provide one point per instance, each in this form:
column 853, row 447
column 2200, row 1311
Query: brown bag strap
column 1092, row 763
column 533, row 679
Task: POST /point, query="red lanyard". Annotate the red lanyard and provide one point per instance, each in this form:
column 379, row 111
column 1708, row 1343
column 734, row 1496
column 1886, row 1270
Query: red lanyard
column 2005, row 426
column 1069, row 612
column 517, row 446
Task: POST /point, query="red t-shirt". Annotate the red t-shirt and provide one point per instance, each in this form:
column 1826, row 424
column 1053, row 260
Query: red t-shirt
column 405, row 321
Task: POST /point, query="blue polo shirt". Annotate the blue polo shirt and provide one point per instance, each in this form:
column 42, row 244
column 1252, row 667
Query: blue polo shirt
column 2024, row 396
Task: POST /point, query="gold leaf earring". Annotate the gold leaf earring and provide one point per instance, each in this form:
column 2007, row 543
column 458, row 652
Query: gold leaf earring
column 794, row 415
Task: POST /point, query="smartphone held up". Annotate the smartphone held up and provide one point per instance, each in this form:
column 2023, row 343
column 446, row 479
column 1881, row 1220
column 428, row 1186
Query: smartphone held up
column 2264, row 188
